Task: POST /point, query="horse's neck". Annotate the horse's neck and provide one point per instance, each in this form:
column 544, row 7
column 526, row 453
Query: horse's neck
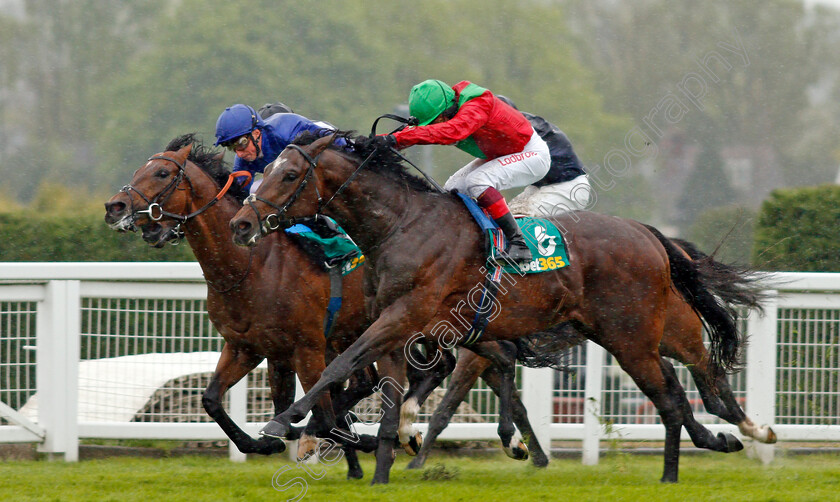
column 210, row 238
column 373, row 207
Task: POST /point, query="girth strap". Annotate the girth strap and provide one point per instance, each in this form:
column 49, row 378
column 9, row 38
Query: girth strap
column 335, row 301
column 482, row 314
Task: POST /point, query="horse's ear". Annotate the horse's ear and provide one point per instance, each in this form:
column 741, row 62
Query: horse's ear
column 321, row 144
column 219, row 156
column 183, row 153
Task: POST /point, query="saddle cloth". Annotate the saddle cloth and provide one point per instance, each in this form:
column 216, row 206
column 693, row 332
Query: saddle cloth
column 543, row 238
column 328, row 245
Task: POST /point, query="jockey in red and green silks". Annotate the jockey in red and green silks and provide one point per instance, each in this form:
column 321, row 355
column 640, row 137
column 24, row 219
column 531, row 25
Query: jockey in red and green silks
column 509, row 153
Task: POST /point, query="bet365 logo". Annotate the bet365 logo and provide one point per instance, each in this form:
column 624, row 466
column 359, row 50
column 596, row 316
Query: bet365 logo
column 542, row 238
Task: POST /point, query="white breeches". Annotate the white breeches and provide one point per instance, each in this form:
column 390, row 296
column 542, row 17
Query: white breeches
column 551, row 200
column 511, row 171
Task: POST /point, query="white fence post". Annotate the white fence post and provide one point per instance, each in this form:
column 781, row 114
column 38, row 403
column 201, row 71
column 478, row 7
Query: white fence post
column 761, row 371
column 57, row 374
column 537, row 388
column 592, row 399
column 238, row 413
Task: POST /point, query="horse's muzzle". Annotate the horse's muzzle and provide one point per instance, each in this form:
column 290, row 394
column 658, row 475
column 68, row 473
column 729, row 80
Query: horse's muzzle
column 244, row 232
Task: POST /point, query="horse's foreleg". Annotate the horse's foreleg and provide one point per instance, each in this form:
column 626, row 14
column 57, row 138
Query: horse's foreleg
column 392, row 368
column 361, row 386
column 232, row 366
column 503, row 356
column 383, row 337
column 309, row 363
column 422, row 382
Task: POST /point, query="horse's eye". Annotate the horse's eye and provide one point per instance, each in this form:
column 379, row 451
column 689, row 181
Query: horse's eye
column 163, row 173
column 290, row 177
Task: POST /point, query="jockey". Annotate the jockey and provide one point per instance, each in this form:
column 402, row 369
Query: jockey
column 256, row 141
column 566, row 186
column 509, row 153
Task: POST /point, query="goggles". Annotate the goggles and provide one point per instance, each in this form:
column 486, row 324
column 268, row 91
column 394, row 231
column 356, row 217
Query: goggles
column 238, row 144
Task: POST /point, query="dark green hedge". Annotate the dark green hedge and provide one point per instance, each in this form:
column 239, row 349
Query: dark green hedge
column 799, row 230
column 81, row 237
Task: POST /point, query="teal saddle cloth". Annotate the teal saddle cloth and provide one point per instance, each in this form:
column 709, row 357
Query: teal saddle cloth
column 548, row 249
column 328, row 244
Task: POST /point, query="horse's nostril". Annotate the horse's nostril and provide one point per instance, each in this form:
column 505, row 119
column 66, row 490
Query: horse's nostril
column 114, row 207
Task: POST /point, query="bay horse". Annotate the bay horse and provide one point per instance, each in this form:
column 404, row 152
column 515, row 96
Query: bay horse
column 267, row 302
column 682, row 340
column 425, row 255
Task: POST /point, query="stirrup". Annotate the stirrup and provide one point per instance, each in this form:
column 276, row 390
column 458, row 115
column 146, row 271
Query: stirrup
column 517, row 253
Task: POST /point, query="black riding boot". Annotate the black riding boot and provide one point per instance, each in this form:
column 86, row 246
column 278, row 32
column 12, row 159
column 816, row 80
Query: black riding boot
column 517, row 250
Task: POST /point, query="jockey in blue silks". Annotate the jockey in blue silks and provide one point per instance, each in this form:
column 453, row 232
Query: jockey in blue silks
column 256, row 141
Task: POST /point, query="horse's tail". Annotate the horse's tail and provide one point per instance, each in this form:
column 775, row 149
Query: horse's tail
column 718, row 317
column 735, row 286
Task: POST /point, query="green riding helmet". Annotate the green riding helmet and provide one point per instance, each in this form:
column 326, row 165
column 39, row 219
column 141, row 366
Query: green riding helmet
column 428, row 99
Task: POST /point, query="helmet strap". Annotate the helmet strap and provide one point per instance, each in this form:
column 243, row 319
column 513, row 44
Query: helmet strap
column 256, row 143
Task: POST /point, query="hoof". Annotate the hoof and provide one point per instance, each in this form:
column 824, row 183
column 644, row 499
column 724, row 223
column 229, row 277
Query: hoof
column 416, row 463
column 518, row 451
column 732, row 443
column 307, row 448
column 355, row 474
column 268, row 446
column 412, row 447
column 274, row 429
column 539, row 461
column 770, row 438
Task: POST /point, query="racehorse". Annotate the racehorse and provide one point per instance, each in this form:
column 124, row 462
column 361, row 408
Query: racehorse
column 268, row 302
column 682, row 340
column 425, row 255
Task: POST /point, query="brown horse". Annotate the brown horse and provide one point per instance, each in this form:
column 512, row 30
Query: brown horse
column 425, row 255
column 682, row 340
column 268, row 302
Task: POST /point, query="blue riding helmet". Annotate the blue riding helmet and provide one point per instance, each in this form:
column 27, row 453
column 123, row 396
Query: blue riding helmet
column 236, row 121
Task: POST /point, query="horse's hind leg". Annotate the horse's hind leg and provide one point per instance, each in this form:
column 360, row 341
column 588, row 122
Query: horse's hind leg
column 724, row 405
column 467, row 371
column 686, row 346
column 700, row 435
column 503, row 356
column 422, row 381
column 520, row 417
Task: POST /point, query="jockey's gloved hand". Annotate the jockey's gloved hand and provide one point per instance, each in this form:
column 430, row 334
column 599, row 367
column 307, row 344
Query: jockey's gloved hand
column 385, row 141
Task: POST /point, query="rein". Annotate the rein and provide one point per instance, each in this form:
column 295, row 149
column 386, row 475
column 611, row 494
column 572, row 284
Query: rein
column 274, row 221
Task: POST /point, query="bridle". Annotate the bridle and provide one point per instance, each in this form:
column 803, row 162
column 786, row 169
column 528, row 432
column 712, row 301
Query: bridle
column 274, row 221
column 154, row 209
column 156, row 212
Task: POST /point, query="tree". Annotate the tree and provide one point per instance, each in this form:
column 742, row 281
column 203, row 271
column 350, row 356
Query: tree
column 797, row 230
column 707, row 187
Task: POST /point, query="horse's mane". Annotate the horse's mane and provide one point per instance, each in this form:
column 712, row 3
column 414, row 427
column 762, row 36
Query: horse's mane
column 209, row 161
column 382, row 161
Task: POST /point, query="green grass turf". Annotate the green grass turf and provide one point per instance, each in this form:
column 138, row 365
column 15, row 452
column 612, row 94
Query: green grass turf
column 618, row 477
